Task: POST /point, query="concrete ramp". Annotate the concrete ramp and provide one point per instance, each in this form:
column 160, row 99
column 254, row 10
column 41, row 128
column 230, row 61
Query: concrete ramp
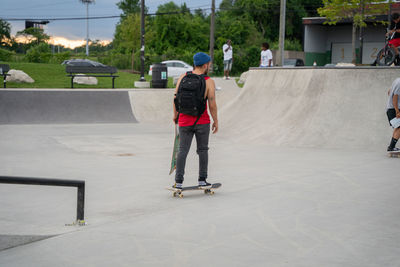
column 64, row 106
column 333, row 108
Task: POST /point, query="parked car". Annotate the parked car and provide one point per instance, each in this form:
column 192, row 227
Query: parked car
column 175, row 68
column 293, row 62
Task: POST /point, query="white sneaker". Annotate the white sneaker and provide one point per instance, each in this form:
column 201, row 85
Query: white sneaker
column 228, row 78
column 204, row 184
column 177, row 186
column 224, row 77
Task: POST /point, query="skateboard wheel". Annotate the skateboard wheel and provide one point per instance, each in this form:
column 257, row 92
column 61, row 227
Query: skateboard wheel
column 181, row 195
column 174, row 194
column 211, row 192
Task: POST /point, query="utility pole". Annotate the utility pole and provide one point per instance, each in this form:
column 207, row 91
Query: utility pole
column 142, row 79
column 212, row 28
column 361, row 35
column 281, row 53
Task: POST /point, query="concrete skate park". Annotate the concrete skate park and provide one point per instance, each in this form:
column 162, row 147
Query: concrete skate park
column 301, row 155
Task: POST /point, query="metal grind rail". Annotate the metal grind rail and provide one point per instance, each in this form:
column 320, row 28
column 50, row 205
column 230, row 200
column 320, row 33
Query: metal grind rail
column 79, row 184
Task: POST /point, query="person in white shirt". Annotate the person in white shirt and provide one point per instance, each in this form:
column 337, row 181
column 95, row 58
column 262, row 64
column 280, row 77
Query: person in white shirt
column 266, row 56
column 228, row 58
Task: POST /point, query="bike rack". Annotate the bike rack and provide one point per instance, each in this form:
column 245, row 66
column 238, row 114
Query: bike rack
column 80, row 209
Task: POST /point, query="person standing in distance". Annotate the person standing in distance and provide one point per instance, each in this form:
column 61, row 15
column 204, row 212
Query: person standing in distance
column 228, row 58
column 266, row 56
column 394, row 33
column 198, row 126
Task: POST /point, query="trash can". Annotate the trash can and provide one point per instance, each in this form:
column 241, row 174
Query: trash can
column 160, row 75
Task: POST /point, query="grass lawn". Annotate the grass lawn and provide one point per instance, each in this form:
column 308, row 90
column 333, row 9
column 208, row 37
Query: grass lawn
column 239, row 84
column 54, row 76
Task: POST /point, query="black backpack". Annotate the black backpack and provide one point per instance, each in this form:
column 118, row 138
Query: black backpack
column 190, row 96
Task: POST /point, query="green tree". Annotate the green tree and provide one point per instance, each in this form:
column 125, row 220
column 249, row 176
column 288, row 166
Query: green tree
column 34, row 35
column 127, row 34
column 356, row 10
column 178, row 29
column 265, row 15
column 5, row 32
column 129, row 7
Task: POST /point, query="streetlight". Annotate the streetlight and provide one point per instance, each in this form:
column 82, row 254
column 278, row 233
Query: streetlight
column 87, row 2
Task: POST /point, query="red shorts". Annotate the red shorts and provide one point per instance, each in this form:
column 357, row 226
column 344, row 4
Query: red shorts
column 395, row 42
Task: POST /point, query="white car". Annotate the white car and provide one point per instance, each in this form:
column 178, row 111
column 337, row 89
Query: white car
column 175, row 68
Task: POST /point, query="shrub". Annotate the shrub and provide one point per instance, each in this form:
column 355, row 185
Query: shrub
column 5, row 55
column 118, row 60
column 60, row 57
column 290, row 44
column 39, row 53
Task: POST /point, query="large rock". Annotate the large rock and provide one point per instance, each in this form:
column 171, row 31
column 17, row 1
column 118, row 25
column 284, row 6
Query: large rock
column 85, row 80
column 243, row 77
column 18, row 76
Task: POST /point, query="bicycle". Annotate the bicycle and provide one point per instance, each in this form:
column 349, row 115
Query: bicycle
column 387, row 56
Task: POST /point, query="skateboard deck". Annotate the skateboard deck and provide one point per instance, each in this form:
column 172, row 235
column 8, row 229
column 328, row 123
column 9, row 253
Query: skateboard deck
column 174, row 151
column 394, row 154
column 209, row 190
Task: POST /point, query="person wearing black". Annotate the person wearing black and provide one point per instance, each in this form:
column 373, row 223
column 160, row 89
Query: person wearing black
column 394, row 33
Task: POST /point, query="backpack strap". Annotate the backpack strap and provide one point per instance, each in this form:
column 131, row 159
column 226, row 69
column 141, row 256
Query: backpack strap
column 205, row 81
column 198, row 118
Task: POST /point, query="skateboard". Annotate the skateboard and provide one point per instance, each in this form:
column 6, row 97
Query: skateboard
column 174, row 151
column 208, row 190
column 394, row 154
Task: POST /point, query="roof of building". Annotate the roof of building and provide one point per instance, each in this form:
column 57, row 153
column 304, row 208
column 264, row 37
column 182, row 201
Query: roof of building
column 395, row 8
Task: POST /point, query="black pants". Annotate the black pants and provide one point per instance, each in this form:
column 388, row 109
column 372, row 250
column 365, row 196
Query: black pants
column 202, row 134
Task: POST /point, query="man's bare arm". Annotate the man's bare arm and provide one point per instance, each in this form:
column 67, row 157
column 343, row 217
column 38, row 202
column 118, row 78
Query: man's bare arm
column 212, row 104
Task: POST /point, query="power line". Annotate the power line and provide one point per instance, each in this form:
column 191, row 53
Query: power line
column 54, row 19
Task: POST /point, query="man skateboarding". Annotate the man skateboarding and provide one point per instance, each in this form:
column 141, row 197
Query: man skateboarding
column 194, row 92
column 393, row 111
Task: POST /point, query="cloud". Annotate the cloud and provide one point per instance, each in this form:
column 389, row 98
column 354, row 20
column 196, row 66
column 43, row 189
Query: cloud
column 71, row 43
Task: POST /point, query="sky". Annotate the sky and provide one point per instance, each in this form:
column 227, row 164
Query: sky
column 74, row 32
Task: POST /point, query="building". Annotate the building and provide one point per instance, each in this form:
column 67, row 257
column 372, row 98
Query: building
column 325, row 44
column 35, row 24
